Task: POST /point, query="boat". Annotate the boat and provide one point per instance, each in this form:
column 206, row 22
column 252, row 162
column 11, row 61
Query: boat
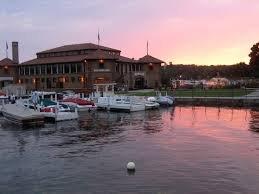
column 59, row 112
column 3, row 100
column 81, row 104
column 103, row 103
column 150, row 103
column 22, row 116
column 52, row 111
column 165, row 100
column 126, row 104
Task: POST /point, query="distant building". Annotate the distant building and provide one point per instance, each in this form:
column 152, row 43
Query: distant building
column 80, row 66
column 9, row 67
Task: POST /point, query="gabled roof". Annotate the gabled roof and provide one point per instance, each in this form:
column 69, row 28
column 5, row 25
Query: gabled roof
column 68, row 59
column 149, row 59
column 127, row 60
column 76, row 47
column 6, row 61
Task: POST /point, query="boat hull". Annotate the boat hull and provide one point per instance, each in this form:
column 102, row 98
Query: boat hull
column 125, row 108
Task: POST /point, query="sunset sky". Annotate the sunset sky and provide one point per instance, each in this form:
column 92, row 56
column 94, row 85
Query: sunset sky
column 181, row 31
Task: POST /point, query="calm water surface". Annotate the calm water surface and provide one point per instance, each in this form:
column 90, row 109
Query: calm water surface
column 180, row 150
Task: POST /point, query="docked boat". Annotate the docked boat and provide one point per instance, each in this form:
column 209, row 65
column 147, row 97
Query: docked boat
column 3, row 100
column 126, row 104
column 81, row 104
column 59, row 112
column 22, row 116
column 150, row 103
column 51, row 110
column 103, row 103
column 165, row 100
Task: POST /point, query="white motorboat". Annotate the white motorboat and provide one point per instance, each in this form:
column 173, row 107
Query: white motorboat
column 60, row 112
column 126, row 104
column 51, row 110
column 22, row 116
column 165, row 100
column 103, row 103
column 150, row 103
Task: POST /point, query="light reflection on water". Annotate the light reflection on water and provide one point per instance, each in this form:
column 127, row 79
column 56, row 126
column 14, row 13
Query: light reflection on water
column 177, row 150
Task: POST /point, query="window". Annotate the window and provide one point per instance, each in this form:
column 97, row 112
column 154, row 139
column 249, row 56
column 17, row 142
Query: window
column 129, row 67
column 122, row 68
column 60, row 69
column 54, row 69
column 73, row 68
column 43, row 69
column 21, row 71
column 117, row 68
column 48, row 69
column 32, row 70
column 141, row 67
column 137, row 67
column 54, row 79
column 79, row 68
column 67, row 68
column 66, row 79
column 26, row 81
column 26, row 70
column 133, row 68
column 42, row 80
column 37, row 70
column 73, row 79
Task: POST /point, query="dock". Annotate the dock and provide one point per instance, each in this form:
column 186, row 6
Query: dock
column 22, row 116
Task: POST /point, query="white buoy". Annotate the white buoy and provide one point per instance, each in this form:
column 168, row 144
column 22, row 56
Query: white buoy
column 131, row 166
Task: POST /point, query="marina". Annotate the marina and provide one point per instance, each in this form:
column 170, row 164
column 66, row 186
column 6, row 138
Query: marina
column 178, row 150
column 145, row 97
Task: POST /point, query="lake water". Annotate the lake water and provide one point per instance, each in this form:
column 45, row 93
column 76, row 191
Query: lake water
column 179, row 150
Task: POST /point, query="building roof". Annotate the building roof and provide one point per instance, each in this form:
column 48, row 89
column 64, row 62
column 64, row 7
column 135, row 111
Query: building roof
column 149, row 59
column 127, row 60
column 68, row 59
column 6, row 61
column 76, row 47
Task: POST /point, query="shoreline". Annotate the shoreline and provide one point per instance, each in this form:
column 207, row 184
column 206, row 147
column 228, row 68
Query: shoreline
column 243, row 101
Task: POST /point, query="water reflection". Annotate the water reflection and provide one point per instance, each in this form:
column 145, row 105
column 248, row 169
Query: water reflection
column 206, row 148
column 254, row 121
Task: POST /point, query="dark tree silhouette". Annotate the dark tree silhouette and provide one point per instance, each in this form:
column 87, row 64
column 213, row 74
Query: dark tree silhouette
column 237, row 71
column 254, row 59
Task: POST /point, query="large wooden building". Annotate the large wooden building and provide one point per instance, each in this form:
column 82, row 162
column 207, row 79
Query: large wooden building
column 80, row 66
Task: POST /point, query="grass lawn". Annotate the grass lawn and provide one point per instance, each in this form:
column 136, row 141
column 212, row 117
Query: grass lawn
column 198, row 93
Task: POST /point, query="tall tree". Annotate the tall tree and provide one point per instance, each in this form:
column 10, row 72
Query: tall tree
column 254, row 59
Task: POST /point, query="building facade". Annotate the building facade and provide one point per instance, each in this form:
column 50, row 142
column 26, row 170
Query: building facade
column 9, row 68
column 81, row 66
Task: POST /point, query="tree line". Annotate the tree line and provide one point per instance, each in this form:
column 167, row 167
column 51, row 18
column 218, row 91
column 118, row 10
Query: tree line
column 195, row 72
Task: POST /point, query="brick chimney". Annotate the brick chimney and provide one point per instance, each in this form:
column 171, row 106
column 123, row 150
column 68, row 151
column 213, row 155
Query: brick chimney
column 15, row 52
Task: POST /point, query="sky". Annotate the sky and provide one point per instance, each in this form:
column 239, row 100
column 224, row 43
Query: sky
column 178, row 31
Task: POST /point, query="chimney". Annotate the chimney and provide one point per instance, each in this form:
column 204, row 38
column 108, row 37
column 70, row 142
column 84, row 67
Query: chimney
column 15, row 52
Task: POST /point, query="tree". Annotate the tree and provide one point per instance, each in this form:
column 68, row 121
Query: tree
column 254, row 59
